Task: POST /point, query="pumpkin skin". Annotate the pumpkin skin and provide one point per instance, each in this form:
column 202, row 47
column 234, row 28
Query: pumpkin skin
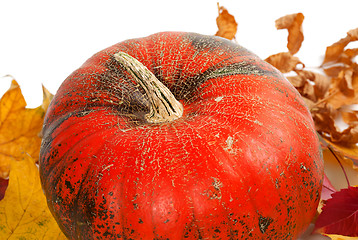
column 243, row 162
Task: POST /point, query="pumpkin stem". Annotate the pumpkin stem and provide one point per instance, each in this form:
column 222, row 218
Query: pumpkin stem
column 163, row 105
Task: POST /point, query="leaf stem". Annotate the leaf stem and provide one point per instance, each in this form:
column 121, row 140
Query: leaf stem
column 337, row 158
column 328, row 188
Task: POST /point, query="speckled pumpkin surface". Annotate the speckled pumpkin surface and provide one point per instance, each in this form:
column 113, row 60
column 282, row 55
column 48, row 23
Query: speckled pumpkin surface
column 243, row 162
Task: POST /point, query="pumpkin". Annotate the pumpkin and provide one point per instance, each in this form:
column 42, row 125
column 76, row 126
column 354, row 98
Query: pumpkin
column 179, row 136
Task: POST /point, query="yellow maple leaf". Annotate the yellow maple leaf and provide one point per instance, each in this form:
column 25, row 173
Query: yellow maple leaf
column 47, row 97
column 23, row 211
column 340, row 237
column 20, row 127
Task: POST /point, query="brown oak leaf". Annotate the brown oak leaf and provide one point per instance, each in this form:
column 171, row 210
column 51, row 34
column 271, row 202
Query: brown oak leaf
column 284, row 61
column 226, row 23
column 334, row 52
column 293, row 23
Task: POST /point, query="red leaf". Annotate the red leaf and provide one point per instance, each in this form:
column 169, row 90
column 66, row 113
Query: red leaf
column 3, row 187
column 327, row 189
column 340, row 213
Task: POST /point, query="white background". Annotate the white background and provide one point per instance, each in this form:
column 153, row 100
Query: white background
column 42, row 42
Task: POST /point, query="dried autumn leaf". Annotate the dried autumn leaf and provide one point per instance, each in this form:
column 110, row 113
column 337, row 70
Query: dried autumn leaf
column 226, row 24
column 335, row 51
column 297, row 81
column 337, row 99
column 305, row 88
column 349, row 151
column 324, row 119
column 344, row 82
column 284, row 61
column 309, row 92
column 309, row 103
column 293, row 23
column 348, row 137
column 343, row 90
column 321, row 82
column 334, row 70
column 23, row 211
column 349, row 117
column 353, row 34
column 351, row 53
column 19, row 128
column 340, row 213
column 312, row 86
column 343, row 93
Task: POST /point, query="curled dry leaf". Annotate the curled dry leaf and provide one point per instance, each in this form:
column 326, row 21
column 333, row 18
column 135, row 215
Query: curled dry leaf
column 351, row 53
column 350, row 117
column 321, row 82
column 348, row 136
column 343, row 90
column 336, row 52
column 284, row 61
column 326, row 94
column 353, row 34
column 342, row 139
column 293, row 23
column 325, row 122
column 344, row 82
column 311, row 85
column 226, row 23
